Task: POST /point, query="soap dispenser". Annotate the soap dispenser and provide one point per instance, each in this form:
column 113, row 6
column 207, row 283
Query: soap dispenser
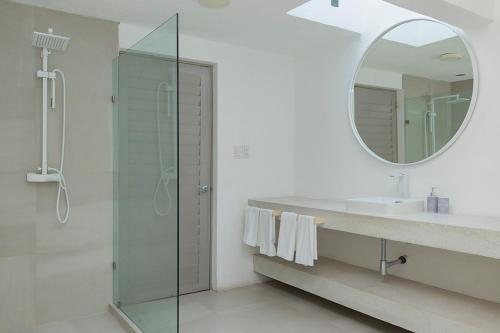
column 432, row 202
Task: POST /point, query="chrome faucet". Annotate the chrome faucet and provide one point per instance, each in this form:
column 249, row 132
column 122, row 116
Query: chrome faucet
column 403, row 185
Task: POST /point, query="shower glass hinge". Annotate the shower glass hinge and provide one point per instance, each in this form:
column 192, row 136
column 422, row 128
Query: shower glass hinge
column 113, row 99
column 114, row 265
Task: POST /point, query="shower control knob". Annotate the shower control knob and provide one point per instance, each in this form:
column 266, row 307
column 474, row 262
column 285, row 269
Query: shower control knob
column 204, row 189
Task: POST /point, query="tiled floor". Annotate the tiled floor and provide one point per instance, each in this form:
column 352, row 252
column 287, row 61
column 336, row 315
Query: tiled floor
column 271, row 307
column 264, row 308
column 103, row 323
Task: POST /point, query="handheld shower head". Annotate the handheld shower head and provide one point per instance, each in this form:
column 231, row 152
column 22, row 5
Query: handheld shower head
column 50, row 41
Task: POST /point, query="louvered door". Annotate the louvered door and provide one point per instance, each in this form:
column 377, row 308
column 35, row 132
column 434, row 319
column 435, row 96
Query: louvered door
column 376, row 121
column 195, row 141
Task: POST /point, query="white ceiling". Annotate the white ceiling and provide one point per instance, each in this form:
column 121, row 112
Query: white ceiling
column 261, row 24
column 460, row 13
column 421, row 61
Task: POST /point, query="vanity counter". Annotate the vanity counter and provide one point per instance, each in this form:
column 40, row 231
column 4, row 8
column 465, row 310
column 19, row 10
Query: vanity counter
column 478, row 235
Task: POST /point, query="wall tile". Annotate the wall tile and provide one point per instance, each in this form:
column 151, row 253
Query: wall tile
column 17, row 311
column 17, row 215
column 73, row 284
column 88, row 227
column 90, row 222
column 19, row 150
column 51, row 272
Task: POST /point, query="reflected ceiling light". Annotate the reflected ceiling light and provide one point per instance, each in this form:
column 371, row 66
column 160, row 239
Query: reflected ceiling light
column 214, row 3
column 450, row 57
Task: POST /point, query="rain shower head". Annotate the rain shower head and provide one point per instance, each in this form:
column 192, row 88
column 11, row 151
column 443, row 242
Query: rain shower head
column 50, row 41
column 449, row 99
column 458, row 100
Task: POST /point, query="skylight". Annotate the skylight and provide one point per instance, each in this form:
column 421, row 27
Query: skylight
column 419, row 33
column 321, row 11
column 358, row 16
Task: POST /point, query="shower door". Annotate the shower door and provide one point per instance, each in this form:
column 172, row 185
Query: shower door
column 146, row 181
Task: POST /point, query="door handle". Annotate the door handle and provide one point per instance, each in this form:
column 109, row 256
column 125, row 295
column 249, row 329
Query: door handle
column 204, row 189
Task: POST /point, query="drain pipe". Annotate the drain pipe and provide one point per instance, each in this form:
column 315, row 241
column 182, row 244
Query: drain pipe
column 384, row 264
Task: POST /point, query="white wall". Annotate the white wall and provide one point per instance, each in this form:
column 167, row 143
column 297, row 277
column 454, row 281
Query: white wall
column 379, row 78
column 254, row 93
column 327, row 160
column 330, row 163
column 255, row 105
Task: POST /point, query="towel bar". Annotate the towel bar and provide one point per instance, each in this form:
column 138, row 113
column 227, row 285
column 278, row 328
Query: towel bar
column 317, row 220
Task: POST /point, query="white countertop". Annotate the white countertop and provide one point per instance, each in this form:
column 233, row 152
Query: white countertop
column 479, row 235
column 490, row 223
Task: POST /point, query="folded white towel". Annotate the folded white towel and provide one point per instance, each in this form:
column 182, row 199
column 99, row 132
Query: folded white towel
column 287, row 236
column 251, row 233
column 267, row 232
column 307, row 244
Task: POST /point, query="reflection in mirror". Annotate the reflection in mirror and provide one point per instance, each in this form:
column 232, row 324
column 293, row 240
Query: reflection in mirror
column 413, row 92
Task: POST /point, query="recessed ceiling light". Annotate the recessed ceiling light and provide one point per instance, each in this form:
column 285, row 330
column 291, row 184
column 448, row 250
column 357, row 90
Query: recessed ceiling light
column 450, row 57
column 214, row 3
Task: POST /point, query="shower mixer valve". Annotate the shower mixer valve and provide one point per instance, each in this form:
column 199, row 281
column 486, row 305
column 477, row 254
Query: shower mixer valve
column 45, row 75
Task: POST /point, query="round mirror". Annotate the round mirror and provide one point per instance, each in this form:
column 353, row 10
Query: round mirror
column 414, row 92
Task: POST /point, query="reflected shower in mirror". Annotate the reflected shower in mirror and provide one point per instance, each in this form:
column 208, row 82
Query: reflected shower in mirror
column 413, row 92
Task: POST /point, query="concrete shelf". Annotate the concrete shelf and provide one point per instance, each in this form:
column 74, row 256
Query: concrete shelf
column 411, row 305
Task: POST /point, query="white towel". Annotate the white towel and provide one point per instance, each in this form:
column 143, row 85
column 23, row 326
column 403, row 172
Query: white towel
column 307, row 244
column 251, row 233
column 267, row 232
column 287, row 236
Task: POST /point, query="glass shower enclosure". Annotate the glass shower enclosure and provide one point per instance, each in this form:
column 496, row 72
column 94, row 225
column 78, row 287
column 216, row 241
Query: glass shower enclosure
column 145, row 122
column 432, row 121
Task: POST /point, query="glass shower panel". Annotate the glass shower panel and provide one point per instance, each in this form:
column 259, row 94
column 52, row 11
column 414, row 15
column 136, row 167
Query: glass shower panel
column 459, row 110
column 146, row 181
column 443, row 123
column 422, row 138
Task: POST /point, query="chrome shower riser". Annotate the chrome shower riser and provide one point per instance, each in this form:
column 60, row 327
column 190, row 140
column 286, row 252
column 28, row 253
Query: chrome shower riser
column 46, row 174
column 48, row 42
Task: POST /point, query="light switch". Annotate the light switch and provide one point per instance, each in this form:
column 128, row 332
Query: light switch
column 241, row 152
column 245, row 151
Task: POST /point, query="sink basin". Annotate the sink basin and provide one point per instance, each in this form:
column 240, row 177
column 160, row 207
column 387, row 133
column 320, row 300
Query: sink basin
column 386, row 205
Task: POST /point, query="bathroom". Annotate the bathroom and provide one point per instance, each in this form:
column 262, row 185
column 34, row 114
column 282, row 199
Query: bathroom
column 174, row 119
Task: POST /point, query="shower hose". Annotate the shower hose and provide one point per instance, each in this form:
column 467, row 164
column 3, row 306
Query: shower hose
column 166, row 173
column 63, row 218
